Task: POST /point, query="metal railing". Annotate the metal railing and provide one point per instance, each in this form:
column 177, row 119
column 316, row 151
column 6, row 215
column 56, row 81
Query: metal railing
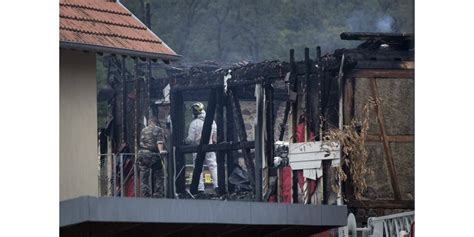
column 396, row 225
column 116, row 171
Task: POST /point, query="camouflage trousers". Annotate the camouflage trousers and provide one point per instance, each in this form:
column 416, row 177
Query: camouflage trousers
column 151, row 174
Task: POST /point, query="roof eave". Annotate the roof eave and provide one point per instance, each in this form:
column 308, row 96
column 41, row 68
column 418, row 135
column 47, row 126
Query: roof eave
column 120, row 51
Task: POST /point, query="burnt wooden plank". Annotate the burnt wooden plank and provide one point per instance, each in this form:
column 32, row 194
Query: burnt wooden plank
column 240, row 127
column 270, row 124
column 205, row 136
column 124, row 102
column 374, row 64
column 380, row 73
column 387, row 150
column 230, row 138
column 220, row 138
column 223, row 146
column 376, row 35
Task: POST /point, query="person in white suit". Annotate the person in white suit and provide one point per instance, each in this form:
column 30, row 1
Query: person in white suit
column 194, row 137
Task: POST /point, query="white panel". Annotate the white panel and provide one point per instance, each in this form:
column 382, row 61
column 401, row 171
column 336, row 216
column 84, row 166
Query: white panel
column 309, row 155
column 305, row 165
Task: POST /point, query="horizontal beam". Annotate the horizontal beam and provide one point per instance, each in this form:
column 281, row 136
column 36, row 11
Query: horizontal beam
column 225, row 146
column 392, row 138
column 382, row 204
column 380, row 73
column 370, row 64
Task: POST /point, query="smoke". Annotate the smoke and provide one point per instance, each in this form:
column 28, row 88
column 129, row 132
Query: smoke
column 385, row 24
column 362, row 21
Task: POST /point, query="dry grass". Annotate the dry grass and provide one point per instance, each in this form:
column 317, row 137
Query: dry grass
column 354, row 153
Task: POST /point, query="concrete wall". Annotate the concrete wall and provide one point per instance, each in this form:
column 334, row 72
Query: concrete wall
column 78, row 125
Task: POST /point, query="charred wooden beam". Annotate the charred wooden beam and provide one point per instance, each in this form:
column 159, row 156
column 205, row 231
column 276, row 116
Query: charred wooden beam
column 240, row 126
column 270, row 124
column 205, row 136
column 379, row 73
column 388, row 152
column 307, row 99
column 124, row 102
column 231, row 137
column 374, row 64
column 294, row 115
column 375, row 55
column 177, row 125
column 376, row 35
column 220, row 138
column 223, row 146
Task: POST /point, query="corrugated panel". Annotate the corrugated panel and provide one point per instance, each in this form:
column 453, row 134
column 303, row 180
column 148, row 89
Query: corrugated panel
column 107, row 24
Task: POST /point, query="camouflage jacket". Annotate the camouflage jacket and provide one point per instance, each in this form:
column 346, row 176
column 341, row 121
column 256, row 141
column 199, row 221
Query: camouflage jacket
column 150, row 136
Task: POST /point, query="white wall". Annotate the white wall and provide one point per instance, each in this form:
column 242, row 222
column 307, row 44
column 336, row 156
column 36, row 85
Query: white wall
column 78, row 125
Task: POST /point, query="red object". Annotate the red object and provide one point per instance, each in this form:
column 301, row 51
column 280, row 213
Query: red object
column 299, row 134
column 322, row 234
column 107, row 24
column 285, row 181
column 311, row 183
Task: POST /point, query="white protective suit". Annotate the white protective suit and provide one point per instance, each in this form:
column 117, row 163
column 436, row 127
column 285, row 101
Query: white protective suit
column 194, row 136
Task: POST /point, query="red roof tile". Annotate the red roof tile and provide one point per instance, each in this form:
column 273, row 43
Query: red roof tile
column 108, row 25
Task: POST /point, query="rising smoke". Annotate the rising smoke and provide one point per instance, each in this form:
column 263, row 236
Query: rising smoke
column 385, row 24
column 361, row 21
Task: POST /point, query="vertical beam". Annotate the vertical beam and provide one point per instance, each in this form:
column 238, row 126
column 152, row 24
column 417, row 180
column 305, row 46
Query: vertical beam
column 231, row 137
column 318, row 53
column 124, row 101
column 177, row 120
column 294, row 117
column 307, row 97
column 388, row 152
column 220, row 138
column 259, row 146
column 270, row 124
column 148, row 89
column 240, row 125
column 137, row 120
column 205, row 136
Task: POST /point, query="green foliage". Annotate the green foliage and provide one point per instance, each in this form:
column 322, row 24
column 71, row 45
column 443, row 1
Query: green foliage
column 235, row 30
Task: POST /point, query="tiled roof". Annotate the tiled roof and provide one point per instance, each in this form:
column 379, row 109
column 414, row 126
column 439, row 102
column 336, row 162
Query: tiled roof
column 106, row 25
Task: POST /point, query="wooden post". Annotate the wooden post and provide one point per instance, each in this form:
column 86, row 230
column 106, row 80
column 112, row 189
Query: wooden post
column 294, row 117
column 124, row 101
column 270, row 125
column 136, row 121
column 205, row 136
column 220, row 138
column 231, row 137
column 259, row 146
column 177, row 121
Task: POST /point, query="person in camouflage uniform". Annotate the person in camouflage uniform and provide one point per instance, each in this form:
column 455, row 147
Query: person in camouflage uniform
column 151, row 150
